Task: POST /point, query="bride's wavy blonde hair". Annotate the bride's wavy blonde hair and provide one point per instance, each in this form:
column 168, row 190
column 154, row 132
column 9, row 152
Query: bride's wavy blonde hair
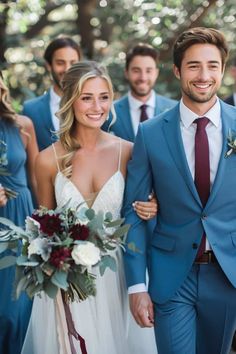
column 72, row 85
column 6, row 110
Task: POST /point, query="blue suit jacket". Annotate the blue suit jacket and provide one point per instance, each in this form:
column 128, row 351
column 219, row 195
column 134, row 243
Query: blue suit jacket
column 230, row 100
column 123, row 125
column 159, row 162
column 38, row 109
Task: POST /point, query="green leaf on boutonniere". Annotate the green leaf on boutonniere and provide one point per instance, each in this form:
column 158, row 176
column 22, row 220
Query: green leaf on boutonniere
column 231, row 143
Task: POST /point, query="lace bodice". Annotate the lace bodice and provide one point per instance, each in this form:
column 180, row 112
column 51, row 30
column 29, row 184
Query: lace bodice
column 109, row 198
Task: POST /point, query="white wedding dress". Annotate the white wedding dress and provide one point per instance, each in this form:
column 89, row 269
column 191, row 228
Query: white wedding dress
column 104, row 321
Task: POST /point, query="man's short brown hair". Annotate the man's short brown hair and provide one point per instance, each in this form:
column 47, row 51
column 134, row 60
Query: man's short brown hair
column 199, row 35
column 142, row 49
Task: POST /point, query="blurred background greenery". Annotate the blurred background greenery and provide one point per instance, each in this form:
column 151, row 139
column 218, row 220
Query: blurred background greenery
column 105, row 29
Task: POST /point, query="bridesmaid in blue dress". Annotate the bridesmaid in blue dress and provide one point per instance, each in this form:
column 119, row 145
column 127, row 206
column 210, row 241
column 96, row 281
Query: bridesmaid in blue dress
column 17, row 139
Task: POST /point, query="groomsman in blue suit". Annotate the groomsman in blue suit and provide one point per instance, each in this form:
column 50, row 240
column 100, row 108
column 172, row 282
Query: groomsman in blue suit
column 141, row 102
column 59, row 55
column 184, row 155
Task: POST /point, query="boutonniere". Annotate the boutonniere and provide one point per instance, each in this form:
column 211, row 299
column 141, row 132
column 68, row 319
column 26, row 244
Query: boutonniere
column 231, row 143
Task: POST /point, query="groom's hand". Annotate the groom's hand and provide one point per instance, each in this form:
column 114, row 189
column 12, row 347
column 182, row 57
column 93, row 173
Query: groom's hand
column 141, row 307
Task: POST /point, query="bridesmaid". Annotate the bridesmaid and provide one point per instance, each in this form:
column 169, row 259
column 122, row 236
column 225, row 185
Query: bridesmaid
column 17, row 155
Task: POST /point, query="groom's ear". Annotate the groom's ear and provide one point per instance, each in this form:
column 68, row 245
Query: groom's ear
column 176, row 71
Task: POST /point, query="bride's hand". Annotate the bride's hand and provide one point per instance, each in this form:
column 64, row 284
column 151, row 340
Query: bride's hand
column 146, row 210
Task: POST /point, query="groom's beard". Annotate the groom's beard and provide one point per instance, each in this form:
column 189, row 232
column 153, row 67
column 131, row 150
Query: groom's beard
column 57, row 79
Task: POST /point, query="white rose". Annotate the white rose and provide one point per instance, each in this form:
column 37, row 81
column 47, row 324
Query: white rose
column 41, row 247
column 86, row 254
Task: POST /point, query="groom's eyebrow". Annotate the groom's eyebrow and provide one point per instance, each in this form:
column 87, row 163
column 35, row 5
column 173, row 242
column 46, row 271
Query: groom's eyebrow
column 199, row 62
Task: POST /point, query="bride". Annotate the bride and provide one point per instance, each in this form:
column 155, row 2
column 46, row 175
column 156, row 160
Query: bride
column 87, row 165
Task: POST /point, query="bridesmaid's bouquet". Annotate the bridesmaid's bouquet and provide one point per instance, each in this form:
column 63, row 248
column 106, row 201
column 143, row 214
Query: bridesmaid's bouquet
column 3, row 168
column 59, row 250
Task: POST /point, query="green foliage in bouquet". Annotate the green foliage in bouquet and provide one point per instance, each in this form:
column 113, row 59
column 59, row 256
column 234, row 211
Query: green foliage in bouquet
column 60, row 250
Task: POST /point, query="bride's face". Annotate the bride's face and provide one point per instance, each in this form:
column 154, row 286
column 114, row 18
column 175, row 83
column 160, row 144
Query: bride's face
column 92, row 107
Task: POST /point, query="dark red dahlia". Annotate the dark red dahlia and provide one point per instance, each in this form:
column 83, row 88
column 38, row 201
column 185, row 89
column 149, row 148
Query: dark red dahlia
column 79, row 232
column 59, row 256
column 49, row 224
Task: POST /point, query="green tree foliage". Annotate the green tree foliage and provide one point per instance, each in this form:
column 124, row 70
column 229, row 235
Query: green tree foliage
column 105, row 29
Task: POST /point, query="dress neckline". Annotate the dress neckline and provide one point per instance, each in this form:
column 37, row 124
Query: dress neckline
column 118, row 172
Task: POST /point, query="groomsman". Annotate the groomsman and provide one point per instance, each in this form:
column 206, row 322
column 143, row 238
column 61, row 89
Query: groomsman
column 185, row 157
column 141, row 102
column 59, row 55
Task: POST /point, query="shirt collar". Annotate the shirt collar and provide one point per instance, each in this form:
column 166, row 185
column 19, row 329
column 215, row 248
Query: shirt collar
column 187, row 116
column 135, row 103
column 54, row 97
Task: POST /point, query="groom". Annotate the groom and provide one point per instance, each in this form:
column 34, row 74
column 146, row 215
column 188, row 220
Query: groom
column 192, row 262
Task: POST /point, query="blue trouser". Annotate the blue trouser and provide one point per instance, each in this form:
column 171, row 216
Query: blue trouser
column 201, row 317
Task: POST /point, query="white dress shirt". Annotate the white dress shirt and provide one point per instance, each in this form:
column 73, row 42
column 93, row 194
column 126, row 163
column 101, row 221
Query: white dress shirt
column 54, row 107
column 234, row 98
column 135, row 110
column 215, row 140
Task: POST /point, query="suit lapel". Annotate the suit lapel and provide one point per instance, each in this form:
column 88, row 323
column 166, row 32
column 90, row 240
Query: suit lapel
column 46, row 112
column 228, row 122
column 126, row 119
column 171, row 128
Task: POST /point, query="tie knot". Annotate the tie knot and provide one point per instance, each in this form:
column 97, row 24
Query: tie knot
column 201, row 123
column 143, row 107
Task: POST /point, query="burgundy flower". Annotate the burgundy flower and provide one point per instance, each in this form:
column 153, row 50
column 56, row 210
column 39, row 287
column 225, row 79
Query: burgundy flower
column 79, row 232
column 49, row 224
column 59, row 256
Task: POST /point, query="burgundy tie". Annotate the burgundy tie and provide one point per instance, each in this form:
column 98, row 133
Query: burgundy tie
column 202, row 169
column 143, row 115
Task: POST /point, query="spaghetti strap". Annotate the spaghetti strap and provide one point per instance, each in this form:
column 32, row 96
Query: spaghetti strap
column 58, row 167
column 120, row 151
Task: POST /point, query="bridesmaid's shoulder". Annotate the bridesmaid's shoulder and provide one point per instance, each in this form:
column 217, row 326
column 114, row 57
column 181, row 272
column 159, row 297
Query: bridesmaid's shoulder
column 25, row 122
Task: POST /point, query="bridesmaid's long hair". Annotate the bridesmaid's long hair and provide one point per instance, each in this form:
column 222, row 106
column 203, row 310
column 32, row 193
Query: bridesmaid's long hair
column 72, row 85
column 6, row 110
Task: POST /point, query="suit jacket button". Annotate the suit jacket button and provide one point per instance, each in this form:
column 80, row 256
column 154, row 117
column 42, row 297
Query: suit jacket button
column 204, row 216
column 195, row 246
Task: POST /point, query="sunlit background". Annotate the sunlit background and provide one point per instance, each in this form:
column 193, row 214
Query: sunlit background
column 105, row 29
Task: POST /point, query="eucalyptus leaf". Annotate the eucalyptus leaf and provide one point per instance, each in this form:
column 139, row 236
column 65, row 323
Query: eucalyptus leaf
column 107, row 262
column 21, row 286
column 108, row 216
column 90, row 213
column 33, row 289
column 39, row 275
column 121, row 231
column 7, row 261
column 115, row 223
column 50, row 289
column 24, row 261
column 59, row 279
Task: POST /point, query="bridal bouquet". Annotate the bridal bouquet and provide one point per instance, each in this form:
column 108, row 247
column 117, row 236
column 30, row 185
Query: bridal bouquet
column 59, row 250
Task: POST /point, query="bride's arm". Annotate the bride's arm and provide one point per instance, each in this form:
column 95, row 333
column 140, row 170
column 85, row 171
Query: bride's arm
column 45, row 171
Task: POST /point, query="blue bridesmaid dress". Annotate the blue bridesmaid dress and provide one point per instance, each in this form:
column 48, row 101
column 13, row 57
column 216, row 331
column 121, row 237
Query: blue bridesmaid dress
column 14, row 315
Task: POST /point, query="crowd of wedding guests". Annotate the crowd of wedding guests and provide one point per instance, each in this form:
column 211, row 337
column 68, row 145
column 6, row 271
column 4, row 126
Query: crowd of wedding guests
column 22, row 137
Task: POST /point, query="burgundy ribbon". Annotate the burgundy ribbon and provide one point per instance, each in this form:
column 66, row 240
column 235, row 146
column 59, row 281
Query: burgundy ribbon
column 71, row 329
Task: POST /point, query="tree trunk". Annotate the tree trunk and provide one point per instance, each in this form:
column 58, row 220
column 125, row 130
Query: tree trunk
column 86, row 9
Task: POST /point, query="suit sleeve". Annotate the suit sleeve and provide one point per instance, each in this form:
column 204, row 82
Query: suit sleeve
column 138, row 187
